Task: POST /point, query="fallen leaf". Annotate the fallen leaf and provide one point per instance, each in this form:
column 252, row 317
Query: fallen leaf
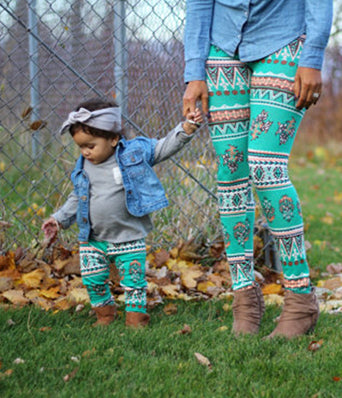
column 62, row 304
column 51, row 293
column 186, row 330
column 203, row 286
column 6, row 283
column 87, row 353
column 274, row 299
column 333, row 283
column 334, row 268
column 203, row 360
column 315, row 345
column 170, row 309
column 16, row 297
column 222, row 328
column 78, row 295
column 38, row 124
column 170, row 291
column 26, row 112
column 337, row 378
column 45, row 329
column 32, row 279
column 159, row 258
column 272, row 288
column 189, row 276
column 69, row 376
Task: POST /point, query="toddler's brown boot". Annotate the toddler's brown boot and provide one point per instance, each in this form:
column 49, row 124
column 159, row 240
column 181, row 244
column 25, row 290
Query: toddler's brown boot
column 105, row 315
column 299, row 315
column 137, row 319
column 248, row 309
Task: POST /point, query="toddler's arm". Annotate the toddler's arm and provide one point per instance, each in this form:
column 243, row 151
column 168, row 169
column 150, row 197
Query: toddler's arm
column 62, row 218
column 178, row 137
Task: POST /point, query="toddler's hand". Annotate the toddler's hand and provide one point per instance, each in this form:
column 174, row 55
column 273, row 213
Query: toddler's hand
column 50, row 228
column 193, row 121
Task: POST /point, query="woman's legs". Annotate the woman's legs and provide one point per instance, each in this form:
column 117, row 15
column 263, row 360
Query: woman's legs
column 228, row 82
column 273, row 127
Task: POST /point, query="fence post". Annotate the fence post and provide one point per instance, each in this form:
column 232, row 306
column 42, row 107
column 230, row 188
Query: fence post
column 120, row 55
column 34, row 78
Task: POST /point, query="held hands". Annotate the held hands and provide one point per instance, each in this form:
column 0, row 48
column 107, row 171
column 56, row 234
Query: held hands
column 193, row 121
column 307, row 87
column 50, row 228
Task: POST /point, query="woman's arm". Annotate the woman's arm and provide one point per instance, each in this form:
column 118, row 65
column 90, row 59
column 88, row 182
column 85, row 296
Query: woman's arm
column 308, row 80
column 197, row 37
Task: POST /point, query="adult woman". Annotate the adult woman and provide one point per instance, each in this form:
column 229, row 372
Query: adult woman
column 255, row 65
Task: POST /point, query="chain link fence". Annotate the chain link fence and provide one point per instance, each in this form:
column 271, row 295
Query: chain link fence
column 57, row 53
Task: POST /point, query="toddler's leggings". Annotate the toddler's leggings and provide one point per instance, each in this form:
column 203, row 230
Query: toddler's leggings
column 253, row 126
column 129, row 258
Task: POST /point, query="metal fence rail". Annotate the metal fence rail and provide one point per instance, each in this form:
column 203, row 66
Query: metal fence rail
column 56, row 53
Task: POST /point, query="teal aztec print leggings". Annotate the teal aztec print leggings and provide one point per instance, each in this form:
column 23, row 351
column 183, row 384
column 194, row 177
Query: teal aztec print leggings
column 253, row 124
column 129, row 258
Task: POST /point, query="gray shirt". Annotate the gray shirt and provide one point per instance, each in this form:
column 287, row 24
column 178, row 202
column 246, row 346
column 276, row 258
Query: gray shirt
column 109, row 217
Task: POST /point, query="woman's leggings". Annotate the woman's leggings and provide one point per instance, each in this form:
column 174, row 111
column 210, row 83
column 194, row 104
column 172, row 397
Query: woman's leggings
column 129, row 258
column 253, row 125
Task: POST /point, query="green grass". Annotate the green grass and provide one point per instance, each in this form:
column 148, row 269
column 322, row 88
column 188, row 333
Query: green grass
column 158, row 362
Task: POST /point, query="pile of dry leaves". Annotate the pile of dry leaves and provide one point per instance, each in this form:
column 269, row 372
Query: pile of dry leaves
column 51, row 279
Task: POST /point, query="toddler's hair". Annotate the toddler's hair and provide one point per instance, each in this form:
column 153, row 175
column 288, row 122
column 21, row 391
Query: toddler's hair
column 91, row 105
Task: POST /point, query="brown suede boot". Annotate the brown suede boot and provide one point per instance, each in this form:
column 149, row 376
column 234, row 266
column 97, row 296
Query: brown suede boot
column 137, row 319
column 299, row 315
column 248, row 309
column 105, row 315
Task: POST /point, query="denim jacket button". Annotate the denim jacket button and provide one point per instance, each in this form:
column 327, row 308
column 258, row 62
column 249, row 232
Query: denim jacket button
column 129, row 192
column 84, row 219
column 133, row 159
column 84, row 198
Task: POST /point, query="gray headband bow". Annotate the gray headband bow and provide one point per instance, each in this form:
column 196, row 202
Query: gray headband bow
column 107, row 119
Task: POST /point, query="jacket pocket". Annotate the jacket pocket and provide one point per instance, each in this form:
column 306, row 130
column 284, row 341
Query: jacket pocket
column 133, row 164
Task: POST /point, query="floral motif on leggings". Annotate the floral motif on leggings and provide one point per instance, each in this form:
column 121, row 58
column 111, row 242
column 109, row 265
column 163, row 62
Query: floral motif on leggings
column 286, row 130
column 260, row 125
column 232, row 157
column 286, row 207
column 241, row 232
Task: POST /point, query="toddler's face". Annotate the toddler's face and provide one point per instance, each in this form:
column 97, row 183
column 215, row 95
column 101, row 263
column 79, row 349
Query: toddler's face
column 95, row 149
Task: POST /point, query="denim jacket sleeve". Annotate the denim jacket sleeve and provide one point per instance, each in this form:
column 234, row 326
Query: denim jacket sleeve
column 197, row 32
column 318, row 20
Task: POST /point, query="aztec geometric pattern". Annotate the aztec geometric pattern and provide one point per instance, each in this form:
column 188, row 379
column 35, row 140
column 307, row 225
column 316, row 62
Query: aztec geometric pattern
column 129, row 257
column 253, row 125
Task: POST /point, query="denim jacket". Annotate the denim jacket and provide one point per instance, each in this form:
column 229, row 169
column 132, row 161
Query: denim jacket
column 144, row 192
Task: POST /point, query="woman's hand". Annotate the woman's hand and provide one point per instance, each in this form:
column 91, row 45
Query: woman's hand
column 307, row 87
column 195, row 91
column 50, row 228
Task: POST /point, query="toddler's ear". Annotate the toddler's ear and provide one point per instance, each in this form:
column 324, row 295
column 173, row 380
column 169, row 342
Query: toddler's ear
column 115, row 141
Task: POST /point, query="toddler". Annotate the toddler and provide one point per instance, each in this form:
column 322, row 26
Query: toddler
column 115, row 189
